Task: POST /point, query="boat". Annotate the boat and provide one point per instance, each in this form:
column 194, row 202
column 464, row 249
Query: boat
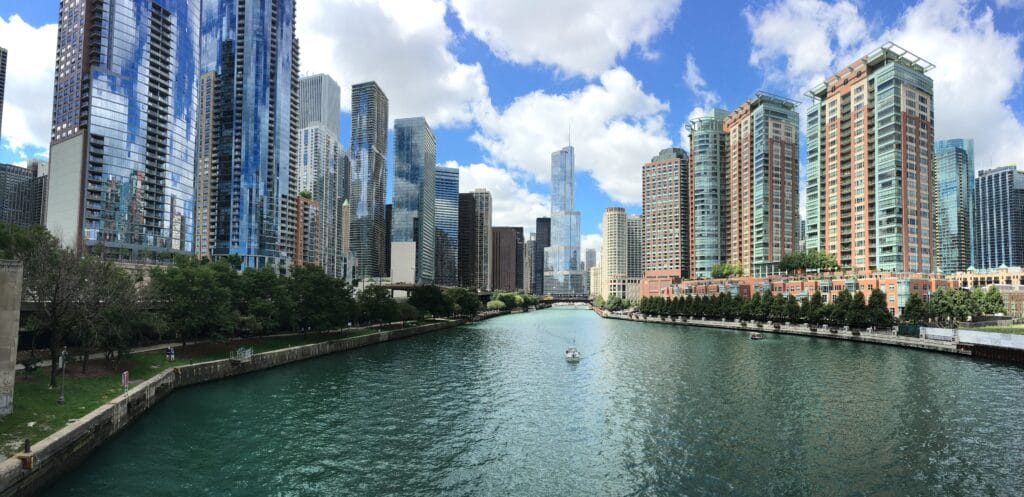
column 756, row 336
column 572, row 355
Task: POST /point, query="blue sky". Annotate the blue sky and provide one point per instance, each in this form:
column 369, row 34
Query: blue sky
column 501, row 82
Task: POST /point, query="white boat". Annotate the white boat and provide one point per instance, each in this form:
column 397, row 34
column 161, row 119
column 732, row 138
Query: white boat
column 756, row 336
column 572, row 355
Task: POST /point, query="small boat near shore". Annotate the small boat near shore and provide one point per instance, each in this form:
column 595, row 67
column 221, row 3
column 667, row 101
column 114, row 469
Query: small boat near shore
column 756, row 336
column 572, row 354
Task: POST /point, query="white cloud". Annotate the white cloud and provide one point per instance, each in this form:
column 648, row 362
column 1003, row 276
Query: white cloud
column 28, row 96
column 579, row 37
column 403, row 46
column 1010, row 3
column 592, row 241
column 976, row 70
column 616, row 126
column 511, row 203
column 708, row 99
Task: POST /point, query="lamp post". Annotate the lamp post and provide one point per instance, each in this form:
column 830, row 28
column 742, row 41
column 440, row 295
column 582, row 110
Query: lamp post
column 63, row 365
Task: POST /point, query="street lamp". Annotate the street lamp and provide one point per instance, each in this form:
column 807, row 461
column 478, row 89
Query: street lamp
column 63, row 364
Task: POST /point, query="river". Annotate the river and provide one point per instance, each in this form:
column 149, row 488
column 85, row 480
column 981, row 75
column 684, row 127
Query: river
column 494, row 409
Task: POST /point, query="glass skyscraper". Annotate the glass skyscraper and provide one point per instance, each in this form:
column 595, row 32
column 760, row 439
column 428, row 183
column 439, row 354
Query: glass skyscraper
column 708, row 196
column 446, row 226
column 954, row 204
column 368, row 155
column 412, row 215
column 562, row 273
column 999, row 222
column 251, row 48
column 124, row 119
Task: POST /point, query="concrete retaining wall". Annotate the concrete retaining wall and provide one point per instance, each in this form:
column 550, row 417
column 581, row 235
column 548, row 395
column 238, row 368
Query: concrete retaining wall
column 66, row 448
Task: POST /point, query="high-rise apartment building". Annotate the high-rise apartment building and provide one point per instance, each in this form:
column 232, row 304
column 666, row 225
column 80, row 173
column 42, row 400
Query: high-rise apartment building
column 622, row 237
column 475, row 239
column 386, row 259
column 368, row 155
column 953, row 204
column 3, row 83
column 122, row 149
column 999, row 218
column 763, row 220
column 507, row 258
column 23, row 193
column 323, row 165
column 635, row 245
column 253, row 55
column 528, row 249
column 666, row 204
column 205, row 174
column 307, row 231
column 543, row 233
column 446, row 226
column 709, row 203
column 562, row 274
column 870, row 138
column 413, row 197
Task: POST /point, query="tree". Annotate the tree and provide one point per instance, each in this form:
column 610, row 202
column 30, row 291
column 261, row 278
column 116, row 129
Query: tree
column 878, row 311
column 260, row 301
column 840, row 306
column 193, row 299
column 598, row 301
column 467, row 301
column 431, row 300
column 495, row 305
column 814, row 309
column 615, row 303
column 989, row 301
column 792, row 313
column 857, row 312
column 407, row 312
column 726, row 269
column 914, row 311
column 376, row 305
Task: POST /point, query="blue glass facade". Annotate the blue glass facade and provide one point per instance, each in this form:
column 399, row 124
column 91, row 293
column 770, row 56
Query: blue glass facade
column 412, row 215
column 368, row 154
column 133, row 126
column 562, row 274
column 252, row 48
column 446, row 226
column 999, row 218
column 954, row 206
column 708, row 196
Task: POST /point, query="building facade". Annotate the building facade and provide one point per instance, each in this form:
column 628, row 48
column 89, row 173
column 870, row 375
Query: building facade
column 3, row 84
column 307, row 231
column 635, row 245
column 870, row 139
column 666, row 204
column 507, row 258
column 708, row 199
column 528, row 248
column 543, row 238
column 413, row 199
column 23, row 193
column 621, row 255
column 122, row 148
column 475, row 239
column 954, row 204
column 368, row 156
column 999, row 218
column 446, row 226
column 562, row 274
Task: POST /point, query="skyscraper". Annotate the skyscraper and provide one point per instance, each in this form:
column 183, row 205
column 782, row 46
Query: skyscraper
column 446, row 226
column 635, row 245
column 368, row 154
column 386, row 259
column 709, row 206
column 543, row 234
column 23, row 193
column 122, row 149
column 666, row 204
column 621, row 255
column 999, row 221
column 763, row 190
column 562, row 274
column 413, row 222
column 3, row 81
column 475, row 239
column 870, row 137
column 323, row 166
column 250, row 48
column 954, row 204
column 307, row 231
column 507, row 258
column 528, row 249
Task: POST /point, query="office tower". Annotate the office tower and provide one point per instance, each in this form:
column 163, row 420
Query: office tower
column 23, row 193
column 368, row 154
column 999, row 218
column 205, row 175
column 591, row 255
column 251, row 51
column 953, row 204
column 506, row 258
column 762, row 183
column 413, row 222
column 869, row 154
column 446, row 226
column 543, row 234
column 666, row 204
column 475, row 239
column 3, row 80
column 528, row 249
column 562, row 275
column 709, row 206
column 122, row 148
column 307, row 231
column 635, row 245
column 322, row 170
column 386, row 259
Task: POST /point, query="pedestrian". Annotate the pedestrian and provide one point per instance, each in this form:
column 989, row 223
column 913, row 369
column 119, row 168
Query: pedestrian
column 172, row 353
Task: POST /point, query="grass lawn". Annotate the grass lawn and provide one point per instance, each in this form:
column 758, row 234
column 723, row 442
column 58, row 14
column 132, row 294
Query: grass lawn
column 37, row 414
column 1013, row 329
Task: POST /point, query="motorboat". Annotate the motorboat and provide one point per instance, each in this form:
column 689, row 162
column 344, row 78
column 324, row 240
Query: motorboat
column 756, row 336
column 572, row 355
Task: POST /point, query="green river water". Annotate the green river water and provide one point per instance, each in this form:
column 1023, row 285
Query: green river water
column 494, row 409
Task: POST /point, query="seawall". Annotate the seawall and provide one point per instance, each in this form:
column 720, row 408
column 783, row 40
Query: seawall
column 63, row 450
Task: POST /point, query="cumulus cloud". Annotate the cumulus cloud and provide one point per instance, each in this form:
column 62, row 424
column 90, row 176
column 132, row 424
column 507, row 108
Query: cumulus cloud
column 403, row 46
column 977, row 67
column 592, row 241
column 578, row 37
column 615, row 127
column 28, row 97
column 707, row 98
column 512, row 203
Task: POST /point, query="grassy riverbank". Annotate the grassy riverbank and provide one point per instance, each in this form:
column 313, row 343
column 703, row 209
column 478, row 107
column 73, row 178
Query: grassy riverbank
column 1013, row 329
column 37, row 413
